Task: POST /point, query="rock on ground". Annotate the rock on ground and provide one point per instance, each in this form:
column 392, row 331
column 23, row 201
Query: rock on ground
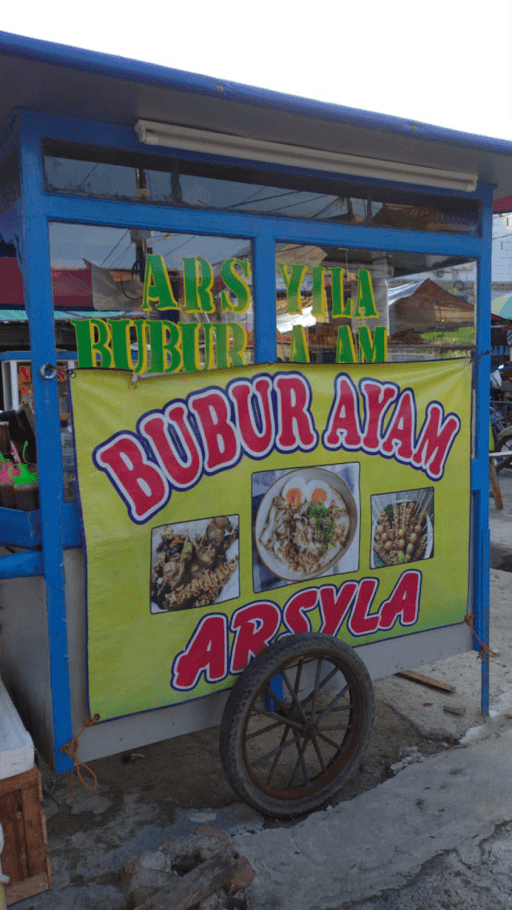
column 185, row 871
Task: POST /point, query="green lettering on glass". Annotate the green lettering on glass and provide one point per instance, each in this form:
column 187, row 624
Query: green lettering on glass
column 142, row 346
column 157, row 286
column 121, row 343
column 345, row 349
column 366, row 308
column 337, row 296
column 373, row 350
column 319, row 295
column 165, row 344
column 237, row 285
column 231, row 342
column 190, row 345
column 84, row 342
column 299, row 348
column 197, row 285
column 93, row 340
column 293, row 284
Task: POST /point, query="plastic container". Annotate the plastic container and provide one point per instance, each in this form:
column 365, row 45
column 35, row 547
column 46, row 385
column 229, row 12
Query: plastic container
column 16, row 746
column 9, row 470
column 68, row 461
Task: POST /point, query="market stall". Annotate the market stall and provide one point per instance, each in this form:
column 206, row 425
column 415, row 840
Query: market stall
column 274, row 399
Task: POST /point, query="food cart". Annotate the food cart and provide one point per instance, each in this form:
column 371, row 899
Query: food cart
column 279, row 405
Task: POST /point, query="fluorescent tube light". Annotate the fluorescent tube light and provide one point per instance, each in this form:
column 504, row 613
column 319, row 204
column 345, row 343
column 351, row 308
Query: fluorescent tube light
column 192, row 140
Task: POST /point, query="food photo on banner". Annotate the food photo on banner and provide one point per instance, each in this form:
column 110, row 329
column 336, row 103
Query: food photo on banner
column 223, row 509
column 306, row 524
column 402, row 527
column 194, row 563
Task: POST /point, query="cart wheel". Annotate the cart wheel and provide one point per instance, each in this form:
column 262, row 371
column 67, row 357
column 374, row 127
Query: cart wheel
column 289, row 752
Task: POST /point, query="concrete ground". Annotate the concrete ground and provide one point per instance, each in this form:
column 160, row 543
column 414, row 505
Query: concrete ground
column 437, row 834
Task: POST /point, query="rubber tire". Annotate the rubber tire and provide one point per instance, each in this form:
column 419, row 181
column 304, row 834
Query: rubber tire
column 506, row 447
column 247, row 689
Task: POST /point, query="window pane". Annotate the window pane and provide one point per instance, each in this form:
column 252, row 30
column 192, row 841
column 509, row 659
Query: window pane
column 236, row 188
column 90, row 178
column 453, row 216
column 98, row 272
column 341, row 305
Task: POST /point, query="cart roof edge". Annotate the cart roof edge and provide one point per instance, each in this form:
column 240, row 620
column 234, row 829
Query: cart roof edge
column 103, row 87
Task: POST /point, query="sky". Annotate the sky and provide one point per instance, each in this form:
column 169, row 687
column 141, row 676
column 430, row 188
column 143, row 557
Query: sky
column 445, row 62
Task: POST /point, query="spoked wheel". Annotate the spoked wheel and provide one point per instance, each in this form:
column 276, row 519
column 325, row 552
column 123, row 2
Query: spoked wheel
column 296, row 724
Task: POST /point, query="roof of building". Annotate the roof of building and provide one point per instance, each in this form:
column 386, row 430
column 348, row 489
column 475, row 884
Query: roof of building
column 117, row 90
column 430, row 308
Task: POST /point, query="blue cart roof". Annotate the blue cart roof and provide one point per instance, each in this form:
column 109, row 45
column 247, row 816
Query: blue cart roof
column 118, row 90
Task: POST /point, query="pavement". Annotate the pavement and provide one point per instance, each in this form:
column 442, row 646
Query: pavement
column 381, row 840
column 437, row 834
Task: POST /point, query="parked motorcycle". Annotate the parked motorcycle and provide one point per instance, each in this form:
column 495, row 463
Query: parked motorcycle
column 502, row 435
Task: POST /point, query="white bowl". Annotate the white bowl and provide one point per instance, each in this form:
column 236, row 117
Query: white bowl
column 269, row 558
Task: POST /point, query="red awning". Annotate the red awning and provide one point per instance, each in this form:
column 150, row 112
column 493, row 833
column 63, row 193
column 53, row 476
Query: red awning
column 500, row 206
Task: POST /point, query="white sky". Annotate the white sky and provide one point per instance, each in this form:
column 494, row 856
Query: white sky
column 447, row 62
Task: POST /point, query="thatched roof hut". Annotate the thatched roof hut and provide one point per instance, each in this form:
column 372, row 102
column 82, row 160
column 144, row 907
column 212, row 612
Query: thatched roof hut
column 430, row 309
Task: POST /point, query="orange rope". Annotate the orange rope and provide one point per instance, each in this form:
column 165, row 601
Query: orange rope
column 485, row 652
column 71, row 749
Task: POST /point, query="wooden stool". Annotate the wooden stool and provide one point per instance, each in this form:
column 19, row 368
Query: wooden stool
column 493, row 478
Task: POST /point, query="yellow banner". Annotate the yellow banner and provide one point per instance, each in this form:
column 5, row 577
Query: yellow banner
column 224, row 509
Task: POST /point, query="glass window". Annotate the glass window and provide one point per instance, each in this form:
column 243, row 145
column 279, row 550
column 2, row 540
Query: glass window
column 89, row 178
column 235, row 188
column 206, row 186
column 202, row 319
column 454, row 216
column 342, row 305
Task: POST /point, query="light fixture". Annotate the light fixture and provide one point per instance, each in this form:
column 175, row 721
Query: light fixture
column 181, row 137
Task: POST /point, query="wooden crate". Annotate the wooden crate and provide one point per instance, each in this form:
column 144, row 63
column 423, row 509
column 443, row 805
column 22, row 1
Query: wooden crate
column 24, row 858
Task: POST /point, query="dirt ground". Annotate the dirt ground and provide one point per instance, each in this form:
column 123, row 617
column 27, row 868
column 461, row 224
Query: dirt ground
column 186, row 772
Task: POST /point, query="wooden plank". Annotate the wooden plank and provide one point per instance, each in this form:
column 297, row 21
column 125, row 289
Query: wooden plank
column 425, row 680
column 187, row 891
column 24, row 857
column 34, row 832
column 14, row 854
column 495, row 485
column 18, row 891
column 19, row 781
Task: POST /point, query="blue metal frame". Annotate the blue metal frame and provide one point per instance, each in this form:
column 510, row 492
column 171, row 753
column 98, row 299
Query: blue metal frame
column 37, row 285
column 78, row 133
column 480, row 464
column 21, row 565
column 264, row 232
column 23, row 529
column 150, row 74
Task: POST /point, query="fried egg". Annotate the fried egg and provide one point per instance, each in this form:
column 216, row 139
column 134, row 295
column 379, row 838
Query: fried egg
column 319, row 492
column 295, row 491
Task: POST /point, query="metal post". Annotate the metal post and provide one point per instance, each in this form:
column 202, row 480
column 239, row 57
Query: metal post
column 480, row 468
column 37, row 286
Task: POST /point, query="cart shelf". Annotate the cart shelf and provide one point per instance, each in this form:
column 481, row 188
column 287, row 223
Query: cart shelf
column 23, row 529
